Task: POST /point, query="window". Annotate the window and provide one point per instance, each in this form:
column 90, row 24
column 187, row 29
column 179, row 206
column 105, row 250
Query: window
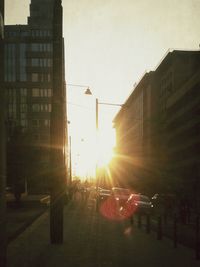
column 23, row 107
column 10, row 63
column 35, row 62
column 34, row 77
column 45, row 77
column 23, row 75
column 24, row 123
column 23, row 115
column 41, row 47
column 35, row 107
column 49, row 92
column 23, row 91
column 23, row 99
column 49, row 62
column 35, row 92
column 45, row 92
column 47, row 123
column 24, row 33
column 35, row 47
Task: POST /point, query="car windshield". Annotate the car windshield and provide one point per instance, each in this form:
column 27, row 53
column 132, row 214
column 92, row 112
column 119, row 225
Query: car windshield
column 121, row 191
column 144, row 198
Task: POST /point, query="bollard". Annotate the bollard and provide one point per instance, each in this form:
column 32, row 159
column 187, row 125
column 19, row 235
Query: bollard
column 139, row 220
column 197, row 247
column 175, row 231
column 159, row 228
column 132, row 220
column 148, row 225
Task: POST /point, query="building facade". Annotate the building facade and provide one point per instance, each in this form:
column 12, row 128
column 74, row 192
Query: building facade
column 133, row 134
column 29, row 87
column 178, row 83
column 168, row 140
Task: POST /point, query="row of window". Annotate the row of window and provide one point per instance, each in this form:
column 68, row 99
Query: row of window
column 40, row 77
column 41, row 33
column 42, row 137
column 33, row 33
column 12, row 65
column 41, row 47
column 41, row 62
column 41, row 107
column 41, row 123
column 37, row 92
column 35, row 123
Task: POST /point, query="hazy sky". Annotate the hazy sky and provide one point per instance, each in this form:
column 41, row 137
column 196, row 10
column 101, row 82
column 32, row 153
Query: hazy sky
column 111, row 43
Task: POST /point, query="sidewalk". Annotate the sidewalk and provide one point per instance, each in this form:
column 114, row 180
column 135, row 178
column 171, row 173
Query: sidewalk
column 20, row 216
column 92, row 241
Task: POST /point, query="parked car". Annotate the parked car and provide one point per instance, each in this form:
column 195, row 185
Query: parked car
column 121, row 195
column 115, row 199
column 104, row 194
column 136, row 203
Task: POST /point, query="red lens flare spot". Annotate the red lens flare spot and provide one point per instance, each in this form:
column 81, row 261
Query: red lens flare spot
column 110, row 209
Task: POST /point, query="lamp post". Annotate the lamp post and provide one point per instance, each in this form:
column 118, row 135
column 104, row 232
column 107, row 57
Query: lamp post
column 97, row 129
column 57, row 175
column 70, row 160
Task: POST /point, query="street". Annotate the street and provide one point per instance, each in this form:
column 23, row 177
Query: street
column 92, row 240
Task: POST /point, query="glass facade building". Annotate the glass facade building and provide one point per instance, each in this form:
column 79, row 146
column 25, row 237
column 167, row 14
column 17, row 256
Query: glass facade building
column 28, row 66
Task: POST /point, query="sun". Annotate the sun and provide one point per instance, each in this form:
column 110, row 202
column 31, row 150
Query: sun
column 93, row 152
column 104, row 152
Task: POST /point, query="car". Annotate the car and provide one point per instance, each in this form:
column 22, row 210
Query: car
column 103, row 194
column 121, row 195
column 136, row 203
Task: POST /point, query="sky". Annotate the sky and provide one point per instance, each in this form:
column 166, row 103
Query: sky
column 109, row 44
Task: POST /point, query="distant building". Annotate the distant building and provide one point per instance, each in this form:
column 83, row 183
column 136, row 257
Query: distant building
column 158, row 127
column 29, row 86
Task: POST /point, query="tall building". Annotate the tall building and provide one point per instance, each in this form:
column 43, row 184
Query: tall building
column 29, row 87
column 158, row 127
column 178, row 83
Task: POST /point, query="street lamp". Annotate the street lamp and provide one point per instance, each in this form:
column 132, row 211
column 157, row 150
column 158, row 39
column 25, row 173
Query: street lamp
column 88, row 92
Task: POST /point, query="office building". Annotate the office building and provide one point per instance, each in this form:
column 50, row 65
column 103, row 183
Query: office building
column 29, row 87
column 158, row 127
